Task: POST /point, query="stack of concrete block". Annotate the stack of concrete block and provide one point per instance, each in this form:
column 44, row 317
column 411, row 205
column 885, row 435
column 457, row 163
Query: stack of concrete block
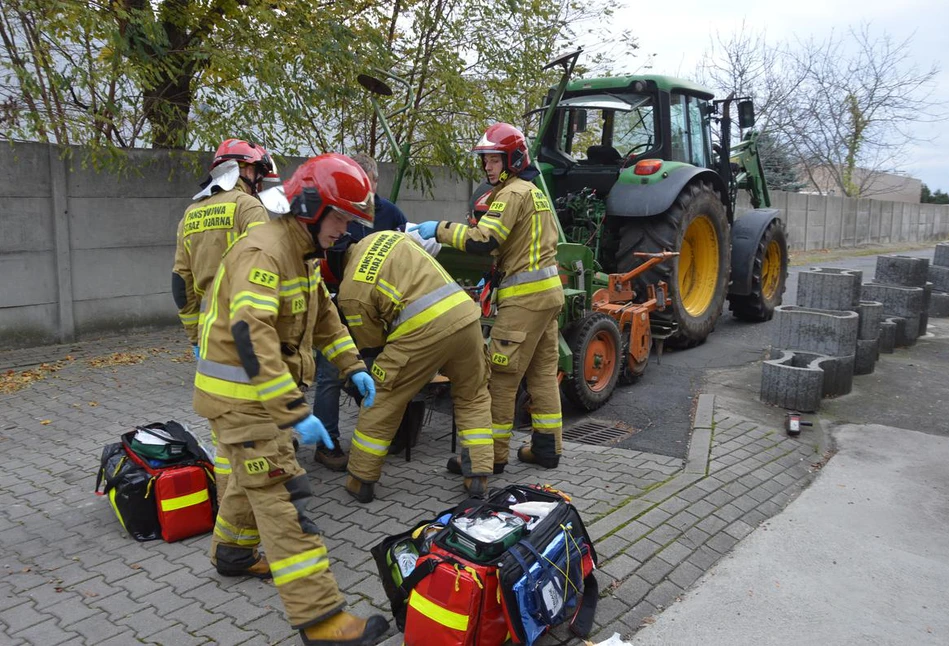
column 900, row 285
column 812, row 355
column 939, row 278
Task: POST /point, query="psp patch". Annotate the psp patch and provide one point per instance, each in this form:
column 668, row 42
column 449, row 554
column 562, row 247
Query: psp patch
column 263, row 278
column 497, row 207
column 540, row 200
column 378, row 372
column 500, row 359
column 256, row 466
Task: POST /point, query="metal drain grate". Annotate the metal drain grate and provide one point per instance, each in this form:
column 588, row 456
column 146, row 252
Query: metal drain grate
column 598, row 433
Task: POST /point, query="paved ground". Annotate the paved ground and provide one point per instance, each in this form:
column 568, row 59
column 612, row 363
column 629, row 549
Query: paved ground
column 71, row 575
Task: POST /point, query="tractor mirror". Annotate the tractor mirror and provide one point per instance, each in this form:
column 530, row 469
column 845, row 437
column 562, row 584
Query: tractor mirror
column 581, row 125
column 746, row 114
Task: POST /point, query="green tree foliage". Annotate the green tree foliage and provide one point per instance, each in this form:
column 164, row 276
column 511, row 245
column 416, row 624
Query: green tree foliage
column 115, row 74
column 933, row 197
column 780, row 171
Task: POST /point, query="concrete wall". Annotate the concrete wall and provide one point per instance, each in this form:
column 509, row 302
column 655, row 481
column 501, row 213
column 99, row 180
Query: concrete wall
column 84, row 252
column 827, row 222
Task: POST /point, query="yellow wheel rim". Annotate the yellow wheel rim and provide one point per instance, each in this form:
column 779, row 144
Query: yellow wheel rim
column 698, row 266
column 771, row 270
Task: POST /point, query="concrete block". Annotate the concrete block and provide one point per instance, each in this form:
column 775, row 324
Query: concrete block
column 866, row 357
column 897, row 301
column 939, row 277
column 828, row 288
column 791, row 382
column 871, row 313
column 838, row 374
column 939, row 305
column 924, row 315
column 888, row 330
column 941, row 256
column 904, row 271
column 827, row 332
column 907, row 334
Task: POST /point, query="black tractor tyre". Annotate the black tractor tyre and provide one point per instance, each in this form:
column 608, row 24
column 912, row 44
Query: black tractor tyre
column 595, row 343
column 630, row 374
column 767, row 280
column 696, row 226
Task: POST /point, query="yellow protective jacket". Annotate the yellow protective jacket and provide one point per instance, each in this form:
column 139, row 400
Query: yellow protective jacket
column 208, row 228
column 267, row 308
column 392, row 290
column 519, row 229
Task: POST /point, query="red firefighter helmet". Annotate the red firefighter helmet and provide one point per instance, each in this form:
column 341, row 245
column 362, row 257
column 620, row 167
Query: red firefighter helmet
column 504, row 139
column 330, row 181
column 243, row 151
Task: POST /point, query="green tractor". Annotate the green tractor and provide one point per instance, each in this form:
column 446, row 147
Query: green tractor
column 632, row 165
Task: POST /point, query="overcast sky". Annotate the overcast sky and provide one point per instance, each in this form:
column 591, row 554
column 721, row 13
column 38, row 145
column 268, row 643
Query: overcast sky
column 678, row 33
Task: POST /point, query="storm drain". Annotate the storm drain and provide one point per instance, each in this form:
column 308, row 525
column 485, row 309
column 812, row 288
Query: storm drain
column 598, row 433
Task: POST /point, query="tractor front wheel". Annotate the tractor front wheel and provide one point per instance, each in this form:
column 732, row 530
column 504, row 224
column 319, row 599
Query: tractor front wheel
column 596, row 361
column 767, row 278
column 696, row 226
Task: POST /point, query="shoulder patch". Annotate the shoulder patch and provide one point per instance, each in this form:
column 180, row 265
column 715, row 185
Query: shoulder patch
column 209, row 218
column 540, row 200
column 263, row 278
column 367, row 267
column 497, row 206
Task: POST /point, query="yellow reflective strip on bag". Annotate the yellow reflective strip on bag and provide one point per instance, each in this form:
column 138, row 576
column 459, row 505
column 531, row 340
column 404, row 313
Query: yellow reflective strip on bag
column 430, row 314
column 196, row 498
column 116, row 508
column 530, row 288
column 442, row 616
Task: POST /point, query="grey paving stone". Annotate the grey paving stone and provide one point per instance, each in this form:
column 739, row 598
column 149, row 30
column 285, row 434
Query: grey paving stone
column 643, row 611
column 47, row 633
column 729, row 513
column 664, row 594
column 704, row 558
column 96, row 629
column 643, row 549
column 620, row 567
column 675, row 553
column 654, row 570
column 721, row 542
column 225, row 633
column 685, row 574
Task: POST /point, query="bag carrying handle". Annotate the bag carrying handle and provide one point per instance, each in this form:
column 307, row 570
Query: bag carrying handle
column 160, row 437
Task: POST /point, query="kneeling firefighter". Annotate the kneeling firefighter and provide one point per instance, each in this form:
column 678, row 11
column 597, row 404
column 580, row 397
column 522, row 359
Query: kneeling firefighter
column 395, row 295
column 267, row 307
column 521, row 231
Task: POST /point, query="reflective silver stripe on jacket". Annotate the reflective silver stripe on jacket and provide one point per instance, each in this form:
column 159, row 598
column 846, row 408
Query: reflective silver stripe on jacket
column 529, row 276
column 235, row 374
column 422, row 304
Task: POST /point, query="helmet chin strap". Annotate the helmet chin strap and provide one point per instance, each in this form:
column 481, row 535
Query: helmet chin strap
column 314, row 229
column 252, row 185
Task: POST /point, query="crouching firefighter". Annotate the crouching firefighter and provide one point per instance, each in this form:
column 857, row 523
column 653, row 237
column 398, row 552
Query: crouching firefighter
column 266, row 310
column 395, row 295
column 521, row 231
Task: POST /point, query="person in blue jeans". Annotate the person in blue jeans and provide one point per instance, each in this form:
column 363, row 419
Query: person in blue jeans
column 388, row 217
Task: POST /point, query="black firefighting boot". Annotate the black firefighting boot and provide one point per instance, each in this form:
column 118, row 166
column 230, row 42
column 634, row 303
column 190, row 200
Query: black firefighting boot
column 240, row 561
column 526, row 454
column 476, row 486
column 344, row 629
column 454, row 466
column 361, row 491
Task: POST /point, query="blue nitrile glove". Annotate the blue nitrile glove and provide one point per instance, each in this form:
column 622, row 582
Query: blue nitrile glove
column 426, row 230
column 197, row 352
column 312, row 431
column 366, row 387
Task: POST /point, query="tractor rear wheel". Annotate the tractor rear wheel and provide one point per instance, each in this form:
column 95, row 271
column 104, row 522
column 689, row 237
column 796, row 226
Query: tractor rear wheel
column 696, row 226
column 767, row 277
column 596, row 361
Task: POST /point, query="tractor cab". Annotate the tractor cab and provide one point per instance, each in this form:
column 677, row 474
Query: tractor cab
column 603, row 127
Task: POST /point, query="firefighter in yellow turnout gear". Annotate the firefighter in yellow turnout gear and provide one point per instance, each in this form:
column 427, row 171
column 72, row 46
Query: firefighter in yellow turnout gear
column 225, row 208
column 394, row 294
column 266, row 309
column 519, row 229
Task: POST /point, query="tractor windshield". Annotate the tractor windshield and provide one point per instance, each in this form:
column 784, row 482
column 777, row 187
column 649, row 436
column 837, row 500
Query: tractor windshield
column 605, row 129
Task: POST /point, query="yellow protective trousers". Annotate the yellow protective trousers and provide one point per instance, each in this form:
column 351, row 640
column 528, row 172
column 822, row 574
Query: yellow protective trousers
column 401, row 371
column 524, row 343
column 267, row 483
column 222, row 468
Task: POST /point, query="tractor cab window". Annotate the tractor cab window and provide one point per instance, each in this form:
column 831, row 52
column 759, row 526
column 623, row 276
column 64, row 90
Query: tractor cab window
column 605, row 129
column 689, row 130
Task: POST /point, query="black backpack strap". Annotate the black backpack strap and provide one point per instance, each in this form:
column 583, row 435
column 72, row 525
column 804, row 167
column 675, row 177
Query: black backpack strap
column 582, row 622
column 420, row 572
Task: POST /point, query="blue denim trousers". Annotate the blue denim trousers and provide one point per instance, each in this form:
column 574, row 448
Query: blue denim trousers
column 326, row 400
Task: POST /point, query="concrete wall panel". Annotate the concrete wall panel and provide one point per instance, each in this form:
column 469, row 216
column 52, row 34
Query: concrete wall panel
column 114, row 314
column 862, row 231
column 130, row 271
column 848, row 223
column 886, row 221
column 26, row 224
column 833, row 223
column 25, row 171
column 28, row 279
column 816, row 221
column 876, row 215
column 29, row 325
column 102, row 222
column 797, row 220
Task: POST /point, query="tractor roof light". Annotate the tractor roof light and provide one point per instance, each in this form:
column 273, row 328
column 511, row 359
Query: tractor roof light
column 647, row 166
